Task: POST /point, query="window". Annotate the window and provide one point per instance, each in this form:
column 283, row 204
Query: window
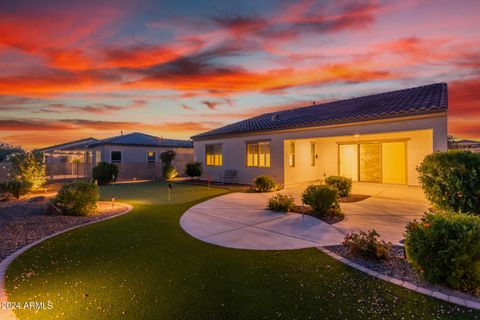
column 116, row 156
column 313, row 154
column 258, row 154
column 98, row 157
column 151, row 159
column 291, row 154
column 213, row 155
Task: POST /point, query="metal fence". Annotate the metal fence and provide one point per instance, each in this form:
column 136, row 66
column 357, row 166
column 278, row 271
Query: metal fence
column 68, row 171
column 77, row 170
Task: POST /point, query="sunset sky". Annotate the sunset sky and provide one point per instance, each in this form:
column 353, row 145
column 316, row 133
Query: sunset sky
column 73, row 69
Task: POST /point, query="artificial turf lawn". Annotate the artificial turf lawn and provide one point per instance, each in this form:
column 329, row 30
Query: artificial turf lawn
column 144, row 266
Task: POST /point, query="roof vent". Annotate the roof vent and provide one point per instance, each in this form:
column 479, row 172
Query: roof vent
column 313, row 103
column 274, row 117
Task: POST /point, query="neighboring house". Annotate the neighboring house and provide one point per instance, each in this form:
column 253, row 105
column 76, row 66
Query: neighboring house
column 471, row 145
column 378, row 138
column 136, row 154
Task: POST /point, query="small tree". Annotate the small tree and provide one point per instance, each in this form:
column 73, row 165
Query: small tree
column 168, row 170
column 194, row 169
column 8, row 149
column 105, row 173
column 29, row 168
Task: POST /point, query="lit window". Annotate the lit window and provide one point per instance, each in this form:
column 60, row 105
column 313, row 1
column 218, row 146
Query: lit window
column 291, row 154
column 98, row 156
column 313, row 154
column 116, row 156
column 258, row 154
column 151, row 159
column 213, row 155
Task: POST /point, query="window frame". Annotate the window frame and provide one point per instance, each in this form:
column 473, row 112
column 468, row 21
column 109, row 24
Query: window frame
column 291, row 154
column 151, row 164
column 216, row 155
column 313, row 153
column 266, row 163
column 115, row 161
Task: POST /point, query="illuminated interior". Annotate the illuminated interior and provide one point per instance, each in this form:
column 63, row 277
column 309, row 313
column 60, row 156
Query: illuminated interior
column 349, row 161
column 393, row 162
column 374, row 162
column 370, row 164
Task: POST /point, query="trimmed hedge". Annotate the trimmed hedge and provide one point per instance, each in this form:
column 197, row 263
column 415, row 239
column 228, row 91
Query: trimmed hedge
column 343, row 185
column 451, row 180
column 445, row 248
column 281, row 203
column 193, row 169
column 323, row 199
column 77, row 199
column 264, row 184
column 105, row 173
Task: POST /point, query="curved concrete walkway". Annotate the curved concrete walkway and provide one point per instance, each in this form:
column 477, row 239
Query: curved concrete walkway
column 240, row 220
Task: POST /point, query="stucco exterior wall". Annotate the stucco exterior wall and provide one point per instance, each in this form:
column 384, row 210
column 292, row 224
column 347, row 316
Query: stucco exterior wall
column 419, row 143
column 433, row 137
column 134, row 160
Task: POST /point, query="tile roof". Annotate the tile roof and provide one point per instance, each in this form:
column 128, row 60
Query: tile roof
column 70, row 145
column 413, row 101
column 142, row 139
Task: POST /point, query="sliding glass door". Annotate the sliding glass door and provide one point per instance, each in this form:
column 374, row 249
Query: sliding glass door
column 370, row 162
column 381, row 162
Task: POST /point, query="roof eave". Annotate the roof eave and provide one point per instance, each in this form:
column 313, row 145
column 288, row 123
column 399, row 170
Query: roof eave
column 435, row 112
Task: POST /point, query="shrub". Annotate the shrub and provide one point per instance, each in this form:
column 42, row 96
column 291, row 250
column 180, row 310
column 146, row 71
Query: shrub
column 366, row 244
column 446, row 249
column 281, row 203
column 77, row 199
column 264, row 184
column 15, row 188
column 323, row 199
column 343, row 185
column 105, row 173
column 169, row 172
column 167, row 157
column 193, row 169
column 451, row 180
column 29, row 168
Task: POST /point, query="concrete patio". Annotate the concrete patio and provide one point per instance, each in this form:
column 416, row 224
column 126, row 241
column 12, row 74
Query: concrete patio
column 240, row 220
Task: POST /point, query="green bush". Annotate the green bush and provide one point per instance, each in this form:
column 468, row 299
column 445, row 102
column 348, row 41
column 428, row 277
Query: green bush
column 280, row 203
column 322, row 199
column 194, row 169
column 167, row 157
column 366, row 244
column 451, row 180
column 343, row 185
column 105, row 173
column 77, row 199
column 169, row 172
column 29, row 168
column 15, row 188
column 445, row 248
column 264, row 184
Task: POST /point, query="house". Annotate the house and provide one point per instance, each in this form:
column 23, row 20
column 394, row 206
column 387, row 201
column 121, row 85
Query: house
column 378, row 138
column 471, row 145
column 136, row 154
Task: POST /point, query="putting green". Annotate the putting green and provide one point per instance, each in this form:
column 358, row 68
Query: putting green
column 144, row 266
